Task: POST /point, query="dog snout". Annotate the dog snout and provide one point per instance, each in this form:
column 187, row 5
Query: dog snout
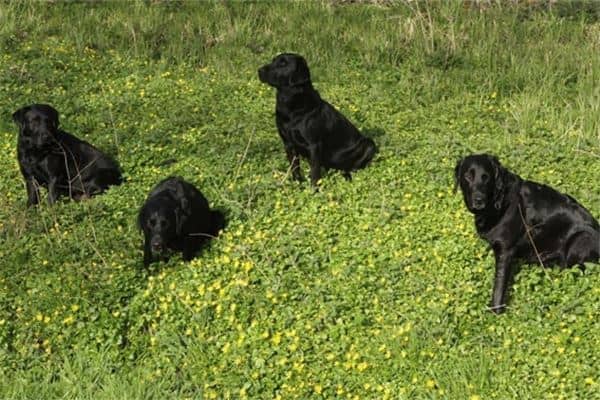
column 478, row 201
column 42, row 137
column 369, row 151
column 157, row 244
column 262, row 73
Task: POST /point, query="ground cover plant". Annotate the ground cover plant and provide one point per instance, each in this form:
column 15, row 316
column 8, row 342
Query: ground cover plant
column 375, row 288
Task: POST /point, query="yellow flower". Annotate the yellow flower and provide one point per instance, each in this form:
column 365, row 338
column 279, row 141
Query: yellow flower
column 318, row 388
column 276, row 339
column 362, row 366
column 298, row 367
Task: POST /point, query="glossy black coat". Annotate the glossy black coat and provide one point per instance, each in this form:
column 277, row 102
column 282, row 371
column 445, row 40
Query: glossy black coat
column 176, row 217
column 52, row 158
column 311, row 127
column 524, row 220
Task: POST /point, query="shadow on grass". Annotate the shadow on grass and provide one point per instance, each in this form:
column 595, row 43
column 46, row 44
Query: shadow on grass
column 373, row 133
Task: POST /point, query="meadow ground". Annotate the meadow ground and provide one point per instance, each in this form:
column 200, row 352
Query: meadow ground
column 371, row 289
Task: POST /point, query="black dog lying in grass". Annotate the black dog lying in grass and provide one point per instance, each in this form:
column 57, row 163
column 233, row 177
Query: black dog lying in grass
column 311, row 127
column 54, row 159
column 524, row 220
column 176, row 217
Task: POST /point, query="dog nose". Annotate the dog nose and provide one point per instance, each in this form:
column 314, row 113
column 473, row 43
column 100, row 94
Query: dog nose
column 156, row 245
column 478, row 201
column 42, row 138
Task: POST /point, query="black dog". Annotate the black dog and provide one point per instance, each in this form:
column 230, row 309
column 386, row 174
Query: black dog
column 311, row 127
column 58, row 161
column 176, row 217
column 524, row 220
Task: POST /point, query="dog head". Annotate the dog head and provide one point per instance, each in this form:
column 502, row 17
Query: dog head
column 161, row 225
column 37, row 122
column 364, row 153
column 286, row 70
column 481, row 178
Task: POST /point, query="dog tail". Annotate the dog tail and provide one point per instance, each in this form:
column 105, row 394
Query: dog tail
column 217, row 222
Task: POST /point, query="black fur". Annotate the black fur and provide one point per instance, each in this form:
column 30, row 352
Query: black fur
column 311, row 127
column 52, row 158
column 176, row 217
column 524, row 220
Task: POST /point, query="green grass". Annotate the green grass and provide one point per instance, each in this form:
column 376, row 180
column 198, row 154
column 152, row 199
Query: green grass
column 371, row 289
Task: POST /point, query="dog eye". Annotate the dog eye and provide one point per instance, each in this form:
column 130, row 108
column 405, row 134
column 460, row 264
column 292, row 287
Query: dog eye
column 468, row 176
column 282, row 62
column 485, row 177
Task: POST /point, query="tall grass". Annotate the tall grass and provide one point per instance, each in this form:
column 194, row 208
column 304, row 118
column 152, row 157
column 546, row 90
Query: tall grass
column 536, row 50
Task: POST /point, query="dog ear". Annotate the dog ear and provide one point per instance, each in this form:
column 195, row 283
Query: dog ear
column 457, row 169
column 179, row 221
column 181, row 193
column 19, row 115
column 301, row 74
column 181, row 215
column 141, row 218
column 52, row 114
column 183, row 208
column 499, row 181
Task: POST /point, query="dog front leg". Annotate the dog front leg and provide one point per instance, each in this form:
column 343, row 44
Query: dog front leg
column 501, row 280
column 315, row 164
column 147, row 252
column 33, row 193
column 52, row 192
column 294, row 160
column 189, row 248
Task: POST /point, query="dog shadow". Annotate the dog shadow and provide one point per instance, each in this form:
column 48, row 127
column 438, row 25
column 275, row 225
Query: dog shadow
column 373, row 133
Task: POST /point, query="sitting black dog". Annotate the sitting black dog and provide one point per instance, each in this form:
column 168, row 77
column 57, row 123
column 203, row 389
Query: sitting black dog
column 524, row 220
column 58, row 161
column 311, row 127
column 176, row 217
